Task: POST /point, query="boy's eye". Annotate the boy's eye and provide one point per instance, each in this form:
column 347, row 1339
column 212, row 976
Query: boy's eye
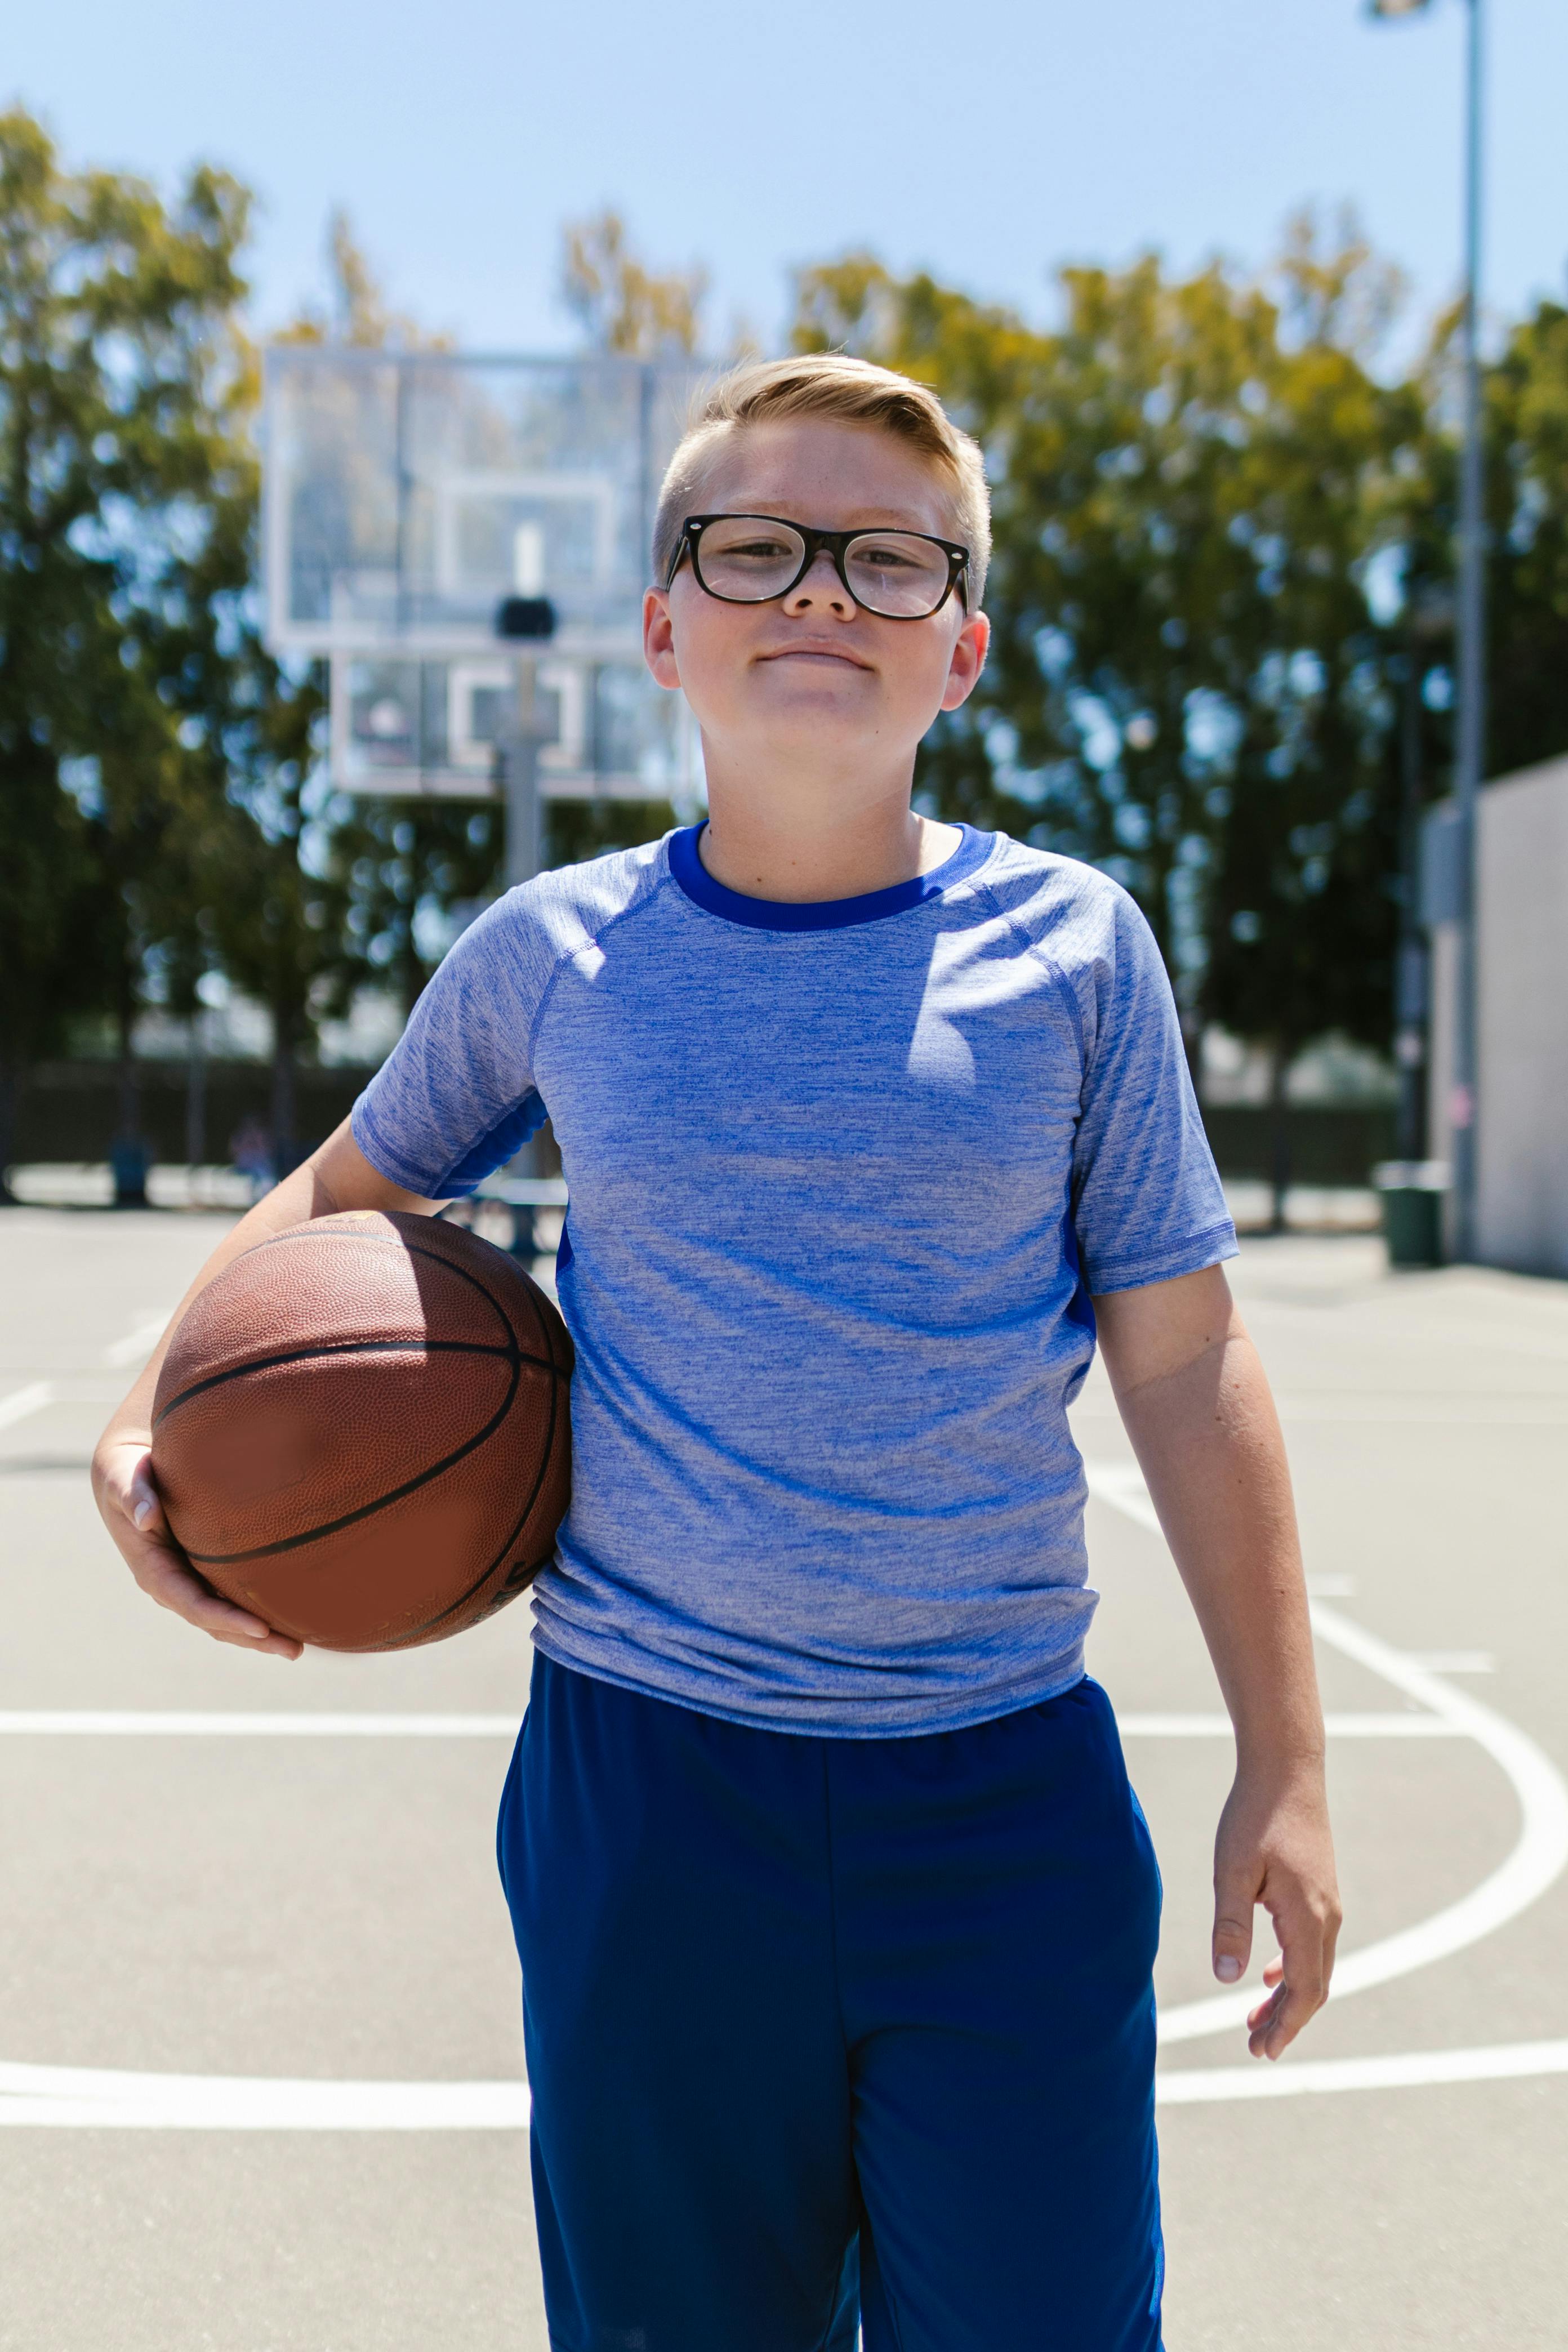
column 749, row 542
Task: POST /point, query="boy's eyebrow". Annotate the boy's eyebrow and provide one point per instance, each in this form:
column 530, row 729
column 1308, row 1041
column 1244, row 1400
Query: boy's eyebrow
column 856, row 517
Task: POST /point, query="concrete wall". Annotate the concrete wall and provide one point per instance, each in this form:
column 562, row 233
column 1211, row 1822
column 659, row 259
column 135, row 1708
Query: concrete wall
column 1443, row 986
column 1522, row 1012
column 1523, row 913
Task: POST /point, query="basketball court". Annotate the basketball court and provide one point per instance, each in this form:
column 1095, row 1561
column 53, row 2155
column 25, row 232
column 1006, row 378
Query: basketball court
column 260, row 2070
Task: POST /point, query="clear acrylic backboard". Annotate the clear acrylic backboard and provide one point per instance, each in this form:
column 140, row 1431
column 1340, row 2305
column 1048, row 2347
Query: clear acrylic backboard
column 407, row 495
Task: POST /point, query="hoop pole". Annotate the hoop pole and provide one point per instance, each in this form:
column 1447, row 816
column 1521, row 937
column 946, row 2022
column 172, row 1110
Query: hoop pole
column 520, row 779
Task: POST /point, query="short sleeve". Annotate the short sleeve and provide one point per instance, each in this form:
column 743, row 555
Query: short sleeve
column 1146, row 1197
column 456, row 1099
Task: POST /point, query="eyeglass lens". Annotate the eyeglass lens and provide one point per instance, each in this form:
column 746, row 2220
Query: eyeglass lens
column 747, row 559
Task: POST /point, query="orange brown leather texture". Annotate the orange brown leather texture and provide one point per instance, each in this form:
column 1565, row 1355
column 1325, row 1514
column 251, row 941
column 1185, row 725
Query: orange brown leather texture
column 361, row 1431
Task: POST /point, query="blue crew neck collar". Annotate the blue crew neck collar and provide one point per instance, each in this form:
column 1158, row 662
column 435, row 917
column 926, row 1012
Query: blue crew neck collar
column 822, row 914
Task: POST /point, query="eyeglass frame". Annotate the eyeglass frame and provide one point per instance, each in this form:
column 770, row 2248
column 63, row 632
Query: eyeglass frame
column 835, row 543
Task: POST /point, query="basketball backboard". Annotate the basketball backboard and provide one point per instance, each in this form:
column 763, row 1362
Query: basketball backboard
column 407, row 495
column 436, row 727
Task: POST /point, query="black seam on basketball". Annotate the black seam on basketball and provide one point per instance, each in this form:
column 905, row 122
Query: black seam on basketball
column 510, row 1353
column 430, row 1623
column 368, row 1510
column 317, row 1230
column 529, row 1287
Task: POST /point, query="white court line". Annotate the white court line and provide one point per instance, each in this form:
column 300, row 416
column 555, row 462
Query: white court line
column 32, row 1398
column 139, row 1343
column 1536, row 1862
column 100, row 2098
column 1454, row 1661
column 1408, row 2070
column 22, row 1402
column 89, row 2098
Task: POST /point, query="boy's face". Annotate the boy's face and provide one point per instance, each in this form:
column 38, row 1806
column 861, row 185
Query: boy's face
column 811, row 678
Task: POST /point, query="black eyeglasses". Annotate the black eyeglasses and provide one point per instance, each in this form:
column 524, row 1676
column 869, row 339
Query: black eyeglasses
column 901, row 575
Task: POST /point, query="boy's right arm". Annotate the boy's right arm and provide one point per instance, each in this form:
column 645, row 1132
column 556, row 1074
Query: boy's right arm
column 336, row 1177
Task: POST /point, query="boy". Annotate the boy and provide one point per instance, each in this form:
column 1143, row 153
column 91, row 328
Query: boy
column 837, row 1913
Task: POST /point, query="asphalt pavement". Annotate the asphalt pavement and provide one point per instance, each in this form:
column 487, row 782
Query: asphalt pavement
column 261, row 2063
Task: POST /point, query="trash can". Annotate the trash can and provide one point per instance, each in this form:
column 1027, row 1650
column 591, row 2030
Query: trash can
column 128, row 1161
column 1411, row 1192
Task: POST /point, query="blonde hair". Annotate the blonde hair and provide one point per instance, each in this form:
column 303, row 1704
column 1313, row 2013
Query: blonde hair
column 850, row 391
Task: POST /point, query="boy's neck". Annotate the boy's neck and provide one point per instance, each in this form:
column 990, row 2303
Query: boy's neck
column 802, row 855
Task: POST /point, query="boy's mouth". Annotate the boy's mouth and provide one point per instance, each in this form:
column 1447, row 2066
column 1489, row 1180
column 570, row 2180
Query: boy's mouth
column 815, row 654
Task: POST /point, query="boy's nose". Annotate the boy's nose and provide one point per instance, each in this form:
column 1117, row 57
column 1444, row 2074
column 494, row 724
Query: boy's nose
column 820, row 589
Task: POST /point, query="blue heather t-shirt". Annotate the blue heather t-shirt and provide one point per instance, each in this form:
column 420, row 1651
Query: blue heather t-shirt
column 842, row 1177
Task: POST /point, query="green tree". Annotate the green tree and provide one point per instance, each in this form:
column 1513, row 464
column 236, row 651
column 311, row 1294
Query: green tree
column 412, row 868
column 117, row 377
column 1527, row 422
column 247, row 886
column 277, row 912
column 1302, row 902
column 1188, row 685
column 357, row 311
column 619, row 303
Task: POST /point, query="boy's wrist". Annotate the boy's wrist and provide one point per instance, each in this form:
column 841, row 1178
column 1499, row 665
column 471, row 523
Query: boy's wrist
column 1270, row 1751
column 115, row 1438
column 131, row 1432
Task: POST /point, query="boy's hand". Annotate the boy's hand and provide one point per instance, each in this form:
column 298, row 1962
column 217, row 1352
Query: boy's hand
column 1274, row 1847
column 337, row 1176
column 127, row 1497
column 1196, row 1406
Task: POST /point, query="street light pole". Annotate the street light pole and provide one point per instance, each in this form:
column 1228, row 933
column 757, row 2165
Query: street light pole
column 1470, row 751
column 1470, row 715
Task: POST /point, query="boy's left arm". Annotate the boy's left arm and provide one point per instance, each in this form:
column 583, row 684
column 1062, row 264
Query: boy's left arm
column 1195, row 1404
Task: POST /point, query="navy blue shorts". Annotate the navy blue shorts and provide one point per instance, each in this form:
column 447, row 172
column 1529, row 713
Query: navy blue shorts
column 822, row 2029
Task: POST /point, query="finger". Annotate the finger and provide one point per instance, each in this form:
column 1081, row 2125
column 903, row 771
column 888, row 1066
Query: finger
column 142, row 1503
column 146, row 1542
column 1234, row 1896
column 1262, row 2022
column 1303, row 1986
column 1268, row 2009
column 165, row 1577
column 1294, row 2004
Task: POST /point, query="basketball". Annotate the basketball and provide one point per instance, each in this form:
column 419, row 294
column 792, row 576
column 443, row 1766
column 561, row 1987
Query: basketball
column 361, row 1431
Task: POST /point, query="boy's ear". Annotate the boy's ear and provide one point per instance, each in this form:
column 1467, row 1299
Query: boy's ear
column 658, row 639
column 968, row 660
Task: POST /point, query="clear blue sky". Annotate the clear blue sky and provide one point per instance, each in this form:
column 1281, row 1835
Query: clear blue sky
column 988, row 143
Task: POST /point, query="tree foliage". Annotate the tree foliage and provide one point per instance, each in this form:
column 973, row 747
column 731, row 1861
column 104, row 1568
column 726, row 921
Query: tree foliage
column 1193, row 479
column 1223, row 580
column 356, row 312
column 122, row 379
column 619, row 303
column 1526, row 433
